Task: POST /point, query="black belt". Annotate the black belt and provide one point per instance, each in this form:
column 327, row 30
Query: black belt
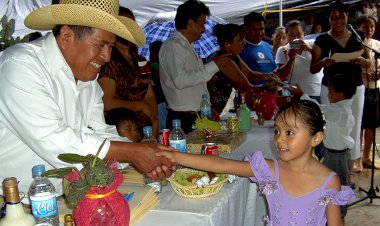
column 337, row 151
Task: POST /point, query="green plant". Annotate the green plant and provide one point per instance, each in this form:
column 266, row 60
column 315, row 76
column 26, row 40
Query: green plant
column 76, row 183
column 8, row 28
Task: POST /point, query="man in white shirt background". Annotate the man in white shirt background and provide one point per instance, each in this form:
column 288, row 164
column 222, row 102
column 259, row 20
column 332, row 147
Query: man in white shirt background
column 183, row 75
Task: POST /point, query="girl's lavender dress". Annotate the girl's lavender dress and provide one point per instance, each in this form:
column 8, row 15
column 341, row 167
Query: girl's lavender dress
column 306, row 210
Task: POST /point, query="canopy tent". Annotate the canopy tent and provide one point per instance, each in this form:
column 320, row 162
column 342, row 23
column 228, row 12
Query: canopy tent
column 230, row 11
column 144, row 10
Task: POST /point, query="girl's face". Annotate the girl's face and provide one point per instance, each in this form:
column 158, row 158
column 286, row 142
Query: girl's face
column 237, row 45
column 338, row 20
column 279, row 38
column 368, row 27
column 130, row 130
column 292, row 138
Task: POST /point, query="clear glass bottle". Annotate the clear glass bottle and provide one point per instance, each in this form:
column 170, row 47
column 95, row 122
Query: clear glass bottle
column 205, row 107
column 15, row 214
column 42, row 198
column 177, row 138
column 244, row 115
column 148, row 135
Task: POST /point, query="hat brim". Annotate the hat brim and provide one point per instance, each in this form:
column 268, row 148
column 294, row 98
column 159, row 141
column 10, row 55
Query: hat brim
column 48, row 17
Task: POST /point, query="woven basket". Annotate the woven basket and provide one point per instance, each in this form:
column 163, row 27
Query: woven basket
column 193, row 191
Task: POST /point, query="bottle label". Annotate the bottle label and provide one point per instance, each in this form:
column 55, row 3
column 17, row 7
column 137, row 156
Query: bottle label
column 205, row 111
column 44, row 205
column 178, row 144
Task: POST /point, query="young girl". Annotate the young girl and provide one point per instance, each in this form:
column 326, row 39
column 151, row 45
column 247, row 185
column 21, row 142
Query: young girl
column 298, row 188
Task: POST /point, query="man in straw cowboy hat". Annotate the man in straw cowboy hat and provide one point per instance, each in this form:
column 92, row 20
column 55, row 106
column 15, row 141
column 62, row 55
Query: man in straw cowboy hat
column 50, row 102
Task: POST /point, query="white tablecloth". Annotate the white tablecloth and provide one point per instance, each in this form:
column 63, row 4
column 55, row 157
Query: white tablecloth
column 236, row 204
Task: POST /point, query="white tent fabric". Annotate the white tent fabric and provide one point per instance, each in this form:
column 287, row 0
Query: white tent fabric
column 231, row 11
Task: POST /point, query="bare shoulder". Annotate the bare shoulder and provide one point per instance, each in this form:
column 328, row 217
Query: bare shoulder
column 325, row 172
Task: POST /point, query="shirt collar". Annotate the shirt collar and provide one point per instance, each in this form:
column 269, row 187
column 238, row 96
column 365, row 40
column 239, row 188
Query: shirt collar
column 57, row 62
column 253, row 43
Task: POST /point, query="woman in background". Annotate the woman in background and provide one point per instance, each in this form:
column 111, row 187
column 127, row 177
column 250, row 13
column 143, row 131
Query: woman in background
column 222, row 86
column 371, row 111
column 279, row 39
column 340, row 40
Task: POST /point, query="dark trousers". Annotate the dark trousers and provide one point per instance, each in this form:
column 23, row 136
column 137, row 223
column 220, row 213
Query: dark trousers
column 187, row 119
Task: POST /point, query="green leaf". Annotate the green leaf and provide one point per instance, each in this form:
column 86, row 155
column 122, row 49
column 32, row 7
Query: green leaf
column 79, row 189
column 73, row 158
column 58, row 172
column 99, row 176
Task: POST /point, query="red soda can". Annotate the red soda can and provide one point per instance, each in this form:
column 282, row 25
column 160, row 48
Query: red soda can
column 210, row 149
column 163, row 136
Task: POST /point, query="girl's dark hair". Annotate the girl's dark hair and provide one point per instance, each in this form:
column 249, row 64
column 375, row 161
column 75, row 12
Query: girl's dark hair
column 226, row 32
column 304, row 110
column 118, row 115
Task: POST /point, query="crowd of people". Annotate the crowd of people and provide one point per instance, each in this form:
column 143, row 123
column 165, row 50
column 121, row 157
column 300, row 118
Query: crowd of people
column 84, row 83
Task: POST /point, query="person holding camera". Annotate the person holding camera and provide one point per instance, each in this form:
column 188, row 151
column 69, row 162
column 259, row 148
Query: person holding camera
column 293, row 61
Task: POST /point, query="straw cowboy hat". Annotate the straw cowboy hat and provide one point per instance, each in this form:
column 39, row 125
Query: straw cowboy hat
column 102, row 14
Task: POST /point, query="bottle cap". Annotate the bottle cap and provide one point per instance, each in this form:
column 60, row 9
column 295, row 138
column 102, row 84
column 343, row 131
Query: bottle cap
column 147, row 129
column 176, row 122
column 37, row 170
column 11, row 190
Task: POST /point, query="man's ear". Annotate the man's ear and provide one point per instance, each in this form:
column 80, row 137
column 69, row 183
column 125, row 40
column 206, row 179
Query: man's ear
column 65, row 37
column 317, row 139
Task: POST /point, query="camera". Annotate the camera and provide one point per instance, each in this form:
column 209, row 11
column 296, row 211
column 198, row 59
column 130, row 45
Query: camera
column 297, row 44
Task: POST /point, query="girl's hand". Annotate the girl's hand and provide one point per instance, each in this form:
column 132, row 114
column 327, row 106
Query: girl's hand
column 167, row 154
column 292, row 54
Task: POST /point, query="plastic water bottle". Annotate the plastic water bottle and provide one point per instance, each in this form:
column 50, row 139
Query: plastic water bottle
column 205, row 107
column 148, row 135
column 42, row 198
column 177, row 138
column 285, row 89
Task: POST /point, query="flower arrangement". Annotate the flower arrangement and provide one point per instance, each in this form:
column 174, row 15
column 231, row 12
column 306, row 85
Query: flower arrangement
column 8, row 28
column 91, row 191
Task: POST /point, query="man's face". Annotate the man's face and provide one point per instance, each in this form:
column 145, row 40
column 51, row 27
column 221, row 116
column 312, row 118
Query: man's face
column 255, row 32
column 85, row 56
column 198, row 27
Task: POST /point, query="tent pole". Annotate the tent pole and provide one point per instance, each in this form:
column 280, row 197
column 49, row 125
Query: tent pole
column 280, row 15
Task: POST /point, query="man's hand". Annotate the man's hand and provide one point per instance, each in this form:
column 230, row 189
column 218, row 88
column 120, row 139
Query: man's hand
column 155, row 167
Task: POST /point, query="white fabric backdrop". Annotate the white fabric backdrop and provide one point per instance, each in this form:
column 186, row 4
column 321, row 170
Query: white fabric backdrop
column 231, row 11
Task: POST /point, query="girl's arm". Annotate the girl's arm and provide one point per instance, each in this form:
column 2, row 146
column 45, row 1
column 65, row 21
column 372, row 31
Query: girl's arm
column 333, row 212
column 209, row 163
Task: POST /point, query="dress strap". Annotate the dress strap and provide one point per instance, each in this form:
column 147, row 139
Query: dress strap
column 328, row 179
column 276, row 170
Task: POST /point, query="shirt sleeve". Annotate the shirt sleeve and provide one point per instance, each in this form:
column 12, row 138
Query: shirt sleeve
column 280, row 55
column 182, row 66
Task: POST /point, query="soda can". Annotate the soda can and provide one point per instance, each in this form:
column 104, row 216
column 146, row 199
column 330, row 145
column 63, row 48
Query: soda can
column 210, row 149
column 163, row 136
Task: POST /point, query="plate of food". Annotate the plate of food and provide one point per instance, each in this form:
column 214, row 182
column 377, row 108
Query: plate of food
column 191, row 183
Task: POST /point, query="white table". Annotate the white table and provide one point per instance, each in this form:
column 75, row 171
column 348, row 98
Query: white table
column 236, row 204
